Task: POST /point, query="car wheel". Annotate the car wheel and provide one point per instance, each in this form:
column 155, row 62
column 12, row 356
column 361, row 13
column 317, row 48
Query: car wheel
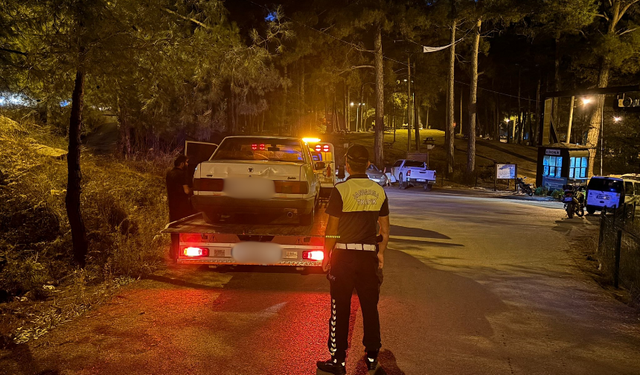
column 427, row 187
column 591, row 210
column 401, row 182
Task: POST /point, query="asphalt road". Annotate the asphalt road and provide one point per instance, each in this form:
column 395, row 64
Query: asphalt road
column 473, row 285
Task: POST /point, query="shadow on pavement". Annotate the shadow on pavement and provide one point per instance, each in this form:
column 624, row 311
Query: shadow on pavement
column 387, row 365
column 401, row 241
column 398, row 230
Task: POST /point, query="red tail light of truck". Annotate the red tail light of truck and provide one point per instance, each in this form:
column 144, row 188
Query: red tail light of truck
column 192, row 251
column 316, row 255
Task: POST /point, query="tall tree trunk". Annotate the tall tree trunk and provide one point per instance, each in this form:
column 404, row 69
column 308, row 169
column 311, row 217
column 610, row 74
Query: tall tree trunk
column 529, row 126
column 473, row 102
column 361, row 108
column 449, row 134
column 537, row 132
column 125, row 131
column 416, row 118
column 520, row 123
column 617, row 11
column 379, row 136
column 284, row 104
column 409, row 110
column 347, row 110
column 460, row 111
column 498, row 121
column 302, row 109
column 231, row 126
column 72, row 200
column 596, row 118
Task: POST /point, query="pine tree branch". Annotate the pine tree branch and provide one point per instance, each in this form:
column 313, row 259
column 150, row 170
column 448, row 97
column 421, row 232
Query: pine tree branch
column 627, row 31
column 13, row 51
column 186, row 18
column 624, row 10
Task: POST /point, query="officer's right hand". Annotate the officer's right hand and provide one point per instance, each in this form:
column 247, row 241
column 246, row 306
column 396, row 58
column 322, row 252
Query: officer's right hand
column 326, row 264
column 380, row 260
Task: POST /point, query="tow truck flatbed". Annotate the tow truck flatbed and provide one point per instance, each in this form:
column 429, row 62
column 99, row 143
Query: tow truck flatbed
column 265, row 241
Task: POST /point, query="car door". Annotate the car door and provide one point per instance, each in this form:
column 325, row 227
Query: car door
column 396, row 168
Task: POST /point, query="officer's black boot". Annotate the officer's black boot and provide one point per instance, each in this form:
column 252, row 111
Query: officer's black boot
column 332, row 366
column 372, row 360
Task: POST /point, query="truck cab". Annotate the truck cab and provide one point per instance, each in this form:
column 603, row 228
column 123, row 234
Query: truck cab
column 324, row 161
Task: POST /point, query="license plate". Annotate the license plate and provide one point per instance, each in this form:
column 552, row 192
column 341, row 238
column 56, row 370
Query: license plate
column 421, row 180
column 567, row 199
column 219, row 253
column 291, row 255
column 257, row 252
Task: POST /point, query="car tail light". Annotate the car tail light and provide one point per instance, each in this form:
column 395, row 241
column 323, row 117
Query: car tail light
column 409, row 172
column 318, row 148
column 208, row 184
column 195, row 251
column 325, row 148
column 256, row 146
column 291, row 187
column 316, row 255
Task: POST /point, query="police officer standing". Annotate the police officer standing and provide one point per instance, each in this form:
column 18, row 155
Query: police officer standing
column 354, row 258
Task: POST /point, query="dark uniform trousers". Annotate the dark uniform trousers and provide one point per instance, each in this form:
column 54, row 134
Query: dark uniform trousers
column 353, row 269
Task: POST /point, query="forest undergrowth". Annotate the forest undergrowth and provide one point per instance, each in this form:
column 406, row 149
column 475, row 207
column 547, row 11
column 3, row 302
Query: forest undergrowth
column 123, row 206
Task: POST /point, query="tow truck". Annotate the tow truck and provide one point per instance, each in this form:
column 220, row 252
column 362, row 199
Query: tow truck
column 237, row 239
column 268, row 242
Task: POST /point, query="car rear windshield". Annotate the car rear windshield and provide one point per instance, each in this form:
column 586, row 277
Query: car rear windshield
column 287, row 150
column 605, row 184
column 413, row 163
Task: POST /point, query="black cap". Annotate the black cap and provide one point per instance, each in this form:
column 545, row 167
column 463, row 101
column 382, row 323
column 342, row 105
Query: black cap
column 358, row 154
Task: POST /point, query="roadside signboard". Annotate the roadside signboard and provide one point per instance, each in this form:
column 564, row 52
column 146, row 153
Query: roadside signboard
column 506, row 171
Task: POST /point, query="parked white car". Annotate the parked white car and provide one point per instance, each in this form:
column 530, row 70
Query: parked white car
column 257, row 175
column 412, row 172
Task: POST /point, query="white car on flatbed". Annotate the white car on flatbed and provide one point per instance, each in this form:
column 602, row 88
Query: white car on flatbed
column 257, row 176
column 412, row 172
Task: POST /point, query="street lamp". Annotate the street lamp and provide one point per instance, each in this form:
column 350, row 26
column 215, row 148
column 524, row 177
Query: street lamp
column 586, row 101
column 617, row 118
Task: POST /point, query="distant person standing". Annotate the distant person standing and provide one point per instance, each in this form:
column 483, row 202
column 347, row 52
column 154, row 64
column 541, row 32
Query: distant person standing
column 354, row 258
column 178, row 192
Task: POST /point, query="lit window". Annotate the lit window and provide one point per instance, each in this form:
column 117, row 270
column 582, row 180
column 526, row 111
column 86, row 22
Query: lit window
column 552, row 166
column 578, row 167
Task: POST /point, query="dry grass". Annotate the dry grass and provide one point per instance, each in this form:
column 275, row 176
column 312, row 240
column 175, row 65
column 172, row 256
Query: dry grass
column 124, row 209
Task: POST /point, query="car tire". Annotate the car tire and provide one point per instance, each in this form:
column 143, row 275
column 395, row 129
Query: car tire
column 427, row 187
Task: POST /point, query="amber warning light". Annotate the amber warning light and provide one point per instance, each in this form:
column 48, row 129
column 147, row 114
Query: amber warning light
column 313, row 255
column 311, row 140
column 196, row 251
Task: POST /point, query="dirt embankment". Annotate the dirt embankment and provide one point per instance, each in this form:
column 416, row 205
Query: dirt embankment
column 123, row 206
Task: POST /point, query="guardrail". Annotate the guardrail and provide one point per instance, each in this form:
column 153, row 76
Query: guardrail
column 619, row 248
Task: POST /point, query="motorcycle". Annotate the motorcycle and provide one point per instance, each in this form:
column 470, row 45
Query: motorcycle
column 573, row 200
column 525, row 188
